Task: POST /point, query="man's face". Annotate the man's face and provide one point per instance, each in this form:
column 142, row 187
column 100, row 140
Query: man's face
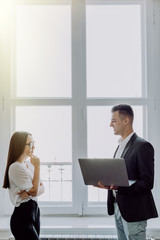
column 118, row 123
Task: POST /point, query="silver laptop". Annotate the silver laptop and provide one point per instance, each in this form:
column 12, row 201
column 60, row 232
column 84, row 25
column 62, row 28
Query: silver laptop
column 109, row 171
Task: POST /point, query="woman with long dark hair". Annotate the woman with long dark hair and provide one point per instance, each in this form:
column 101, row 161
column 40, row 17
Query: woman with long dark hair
column 22, row 178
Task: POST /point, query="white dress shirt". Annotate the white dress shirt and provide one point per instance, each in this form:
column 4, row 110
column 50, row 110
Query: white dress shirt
column 122, row 144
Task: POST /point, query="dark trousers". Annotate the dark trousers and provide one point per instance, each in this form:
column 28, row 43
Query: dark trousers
column 25, row 221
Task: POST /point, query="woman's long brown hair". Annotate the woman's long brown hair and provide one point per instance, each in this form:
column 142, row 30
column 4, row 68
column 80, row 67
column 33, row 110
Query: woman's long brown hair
column 16, row 148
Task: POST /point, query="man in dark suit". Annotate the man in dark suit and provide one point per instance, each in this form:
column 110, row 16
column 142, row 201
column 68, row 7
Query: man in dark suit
column 132, row 205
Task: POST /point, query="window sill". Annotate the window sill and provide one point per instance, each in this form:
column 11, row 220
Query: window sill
column 79, row 225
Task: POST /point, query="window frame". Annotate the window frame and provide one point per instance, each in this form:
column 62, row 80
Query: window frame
column 78, row 102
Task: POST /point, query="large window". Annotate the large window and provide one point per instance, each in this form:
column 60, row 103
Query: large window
column 71, row 62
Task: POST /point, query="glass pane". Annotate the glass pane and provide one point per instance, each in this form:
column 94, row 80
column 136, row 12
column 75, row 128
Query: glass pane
column 96, row 194
column 102, row 142
column 43, row 51
column 51, row 128
column 114, row 51
column 58, row 182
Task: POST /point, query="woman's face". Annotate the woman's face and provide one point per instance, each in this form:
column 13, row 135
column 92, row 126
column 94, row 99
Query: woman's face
column 29, row 148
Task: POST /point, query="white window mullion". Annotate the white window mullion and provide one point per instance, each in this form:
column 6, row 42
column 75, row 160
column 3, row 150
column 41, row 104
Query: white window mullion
column 79, row 107
column 144, row 49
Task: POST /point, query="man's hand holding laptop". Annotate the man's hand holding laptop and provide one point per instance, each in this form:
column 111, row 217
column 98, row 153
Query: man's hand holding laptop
column 100, row 185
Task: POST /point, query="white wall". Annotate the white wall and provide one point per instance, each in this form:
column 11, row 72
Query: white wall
column 5, row 54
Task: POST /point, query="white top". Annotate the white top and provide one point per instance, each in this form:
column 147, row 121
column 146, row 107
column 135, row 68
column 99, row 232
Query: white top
column 122, row 145
column 20, row 178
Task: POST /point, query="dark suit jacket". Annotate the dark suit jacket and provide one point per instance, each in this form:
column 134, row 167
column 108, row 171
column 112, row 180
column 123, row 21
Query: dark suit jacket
column 136, row 201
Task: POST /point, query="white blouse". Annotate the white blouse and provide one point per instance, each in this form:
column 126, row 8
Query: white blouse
column 20, row 178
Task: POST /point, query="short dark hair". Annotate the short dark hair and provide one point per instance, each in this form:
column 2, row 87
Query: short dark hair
column 125, row 110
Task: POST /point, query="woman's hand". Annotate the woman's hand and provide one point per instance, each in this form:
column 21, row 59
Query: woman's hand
column 23, row 194
column 35, row 161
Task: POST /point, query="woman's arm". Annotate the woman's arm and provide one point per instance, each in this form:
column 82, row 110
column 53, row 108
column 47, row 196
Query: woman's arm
column 36, row 177
column 25, row 194
column 38, row 187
